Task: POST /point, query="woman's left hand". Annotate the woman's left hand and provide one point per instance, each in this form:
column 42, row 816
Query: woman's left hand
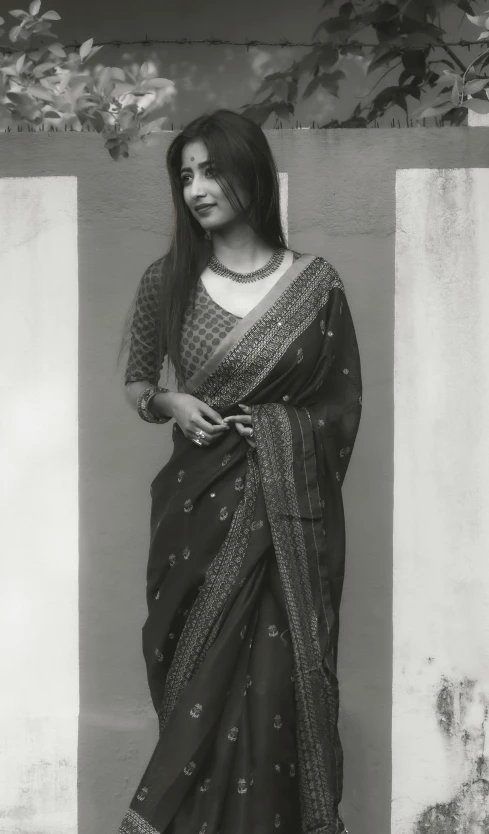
column 243, row 424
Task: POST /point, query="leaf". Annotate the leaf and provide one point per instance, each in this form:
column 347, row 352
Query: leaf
column 415, row 62
column 121, row 89
column 283, row 109
column 476, row 86
column 50, row 16
column 333, row 26
column 57, row 49
column 404, row 77
column 400, row 99
column 19, row 64
column 14, row 33
column 37, row 91
column 18, row 13
column 455, row 96
column 34, row 7
column 258, row 113
column 157, row 82
column 435, row 110
column 483, row 36
column 346, row 10
column 152, row 126
column 115, row 151
column 328, row 56
column 47, row 65
column 85, row 48
column 478, row 20
column 452, row 76
column 386, row 56
column 118, row 74
column 384, row 13
column 464, row 5
column 311, row 87
column 478, row 105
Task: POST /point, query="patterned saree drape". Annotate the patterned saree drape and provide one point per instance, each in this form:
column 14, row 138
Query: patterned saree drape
column 245, row 576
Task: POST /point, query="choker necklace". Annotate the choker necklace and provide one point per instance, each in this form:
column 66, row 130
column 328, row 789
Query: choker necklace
column 245, row 277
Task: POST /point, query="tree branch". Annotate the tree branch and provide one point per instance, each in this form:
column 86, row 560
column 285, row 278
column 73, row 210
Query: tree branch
column 453, row 56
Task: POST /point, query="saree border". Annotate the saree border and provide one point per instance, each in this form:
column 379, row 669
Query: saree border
column 317, row 711
column 134, row 823
column 205, row 617
column 244, row 324
column 254, row 354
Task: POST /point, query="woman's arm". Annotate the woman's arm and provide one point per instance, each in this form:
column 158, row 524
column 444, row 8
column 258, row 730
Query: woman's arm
column 161, row 405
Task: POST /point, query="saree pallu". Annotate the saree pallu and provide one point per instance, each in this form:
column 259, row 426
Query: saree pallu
column 245, row 576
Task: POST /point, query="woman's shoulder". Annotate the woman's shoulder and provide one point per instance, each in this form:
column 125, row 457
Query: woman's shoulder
column 151, row 278
column 154, row 271
column 324, row 268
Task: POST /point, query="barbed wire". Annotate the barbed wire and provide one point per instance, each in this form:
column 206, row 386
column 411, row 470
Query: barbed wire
column 283, row 43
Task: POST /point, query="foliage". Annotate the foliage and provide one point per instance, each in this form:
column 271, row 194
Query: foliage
column 408, row 38
column 49, row 86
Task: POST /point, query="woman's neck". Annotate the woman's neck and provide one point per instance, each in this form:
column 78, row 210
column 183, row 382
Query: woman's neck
column 241, row 249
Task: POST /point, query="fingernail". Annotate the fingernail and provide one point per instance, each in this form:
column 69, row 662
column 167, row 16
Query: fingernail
column 242, row 406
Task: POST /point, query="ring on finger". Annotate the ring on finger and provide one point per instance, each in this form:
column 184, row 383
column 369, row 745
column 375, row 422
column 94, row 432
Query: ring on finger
column 198, row 442
column 251, row 432
column 200, row 433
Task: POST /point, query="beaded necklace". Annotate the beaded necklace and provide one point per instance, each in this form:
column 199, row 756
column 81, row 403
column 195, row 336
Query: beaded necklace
column 246, row 277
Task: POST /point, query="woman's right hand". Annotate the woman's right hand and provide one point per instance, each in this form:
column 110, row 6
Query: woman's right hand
column 193, row 415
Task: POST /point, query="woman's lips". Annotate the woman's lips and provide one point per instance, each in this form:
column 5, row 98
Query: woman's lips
column 205, row 209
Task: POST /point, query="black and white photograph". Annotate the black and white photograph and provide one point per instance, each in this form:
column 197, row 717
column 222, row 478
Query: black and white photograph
column 244, row 391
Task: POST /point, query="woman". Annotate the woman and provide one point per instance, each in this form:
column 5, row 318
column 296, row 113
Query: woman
column 246, row 558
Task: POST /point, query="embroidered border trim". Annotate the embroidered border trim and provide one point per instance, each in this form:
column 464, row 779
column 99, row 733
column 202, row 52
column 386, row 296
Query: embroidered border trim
column 259, row 349
column 205, row 617
column 134, row 823
column 316, row 703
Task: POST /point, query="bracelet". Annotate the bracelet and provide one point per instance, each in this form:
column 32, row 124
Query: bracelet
column 143, row 401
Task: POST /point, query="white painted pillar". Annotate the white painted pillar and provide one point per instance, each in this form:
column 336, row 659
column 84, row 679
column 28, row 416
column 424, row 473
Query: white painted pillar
column 477, row 119
column 39, row 692
column 441, row 503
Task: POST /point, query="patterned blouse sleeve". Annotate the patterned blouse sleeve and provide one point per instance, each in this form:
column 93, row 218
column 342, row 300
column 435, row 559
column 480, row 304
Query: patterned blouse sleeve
column 145, row 351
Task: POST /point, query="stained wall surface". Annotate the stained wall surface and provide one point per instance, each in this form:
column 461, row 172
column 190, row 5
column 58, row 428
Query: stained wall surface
column 396, row 257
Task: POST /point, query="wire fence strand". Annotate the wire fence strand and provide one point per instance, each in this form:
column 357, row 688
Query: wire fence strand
column 283, row 43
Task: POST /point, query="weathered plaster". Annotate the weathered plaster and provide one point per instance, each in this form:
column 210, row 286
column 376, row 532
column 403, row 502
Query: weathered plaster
column 39, row 694
column 441, row 495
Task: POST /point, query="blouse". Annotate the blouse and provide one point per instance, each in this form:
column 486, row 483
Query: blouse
column 203, row 329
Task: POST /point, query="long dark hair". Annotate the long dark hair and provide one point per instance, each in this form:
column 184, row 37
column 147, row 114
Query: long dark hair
column 241, row 158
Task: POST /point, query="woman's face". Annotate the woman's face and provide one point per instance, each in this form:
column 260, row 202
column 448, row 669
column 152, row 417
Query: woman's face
column 201, row 192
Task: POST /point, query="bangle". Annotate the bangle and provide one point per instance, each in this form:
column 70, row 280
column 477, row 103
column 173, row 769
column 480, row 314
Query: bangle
column 144, row 400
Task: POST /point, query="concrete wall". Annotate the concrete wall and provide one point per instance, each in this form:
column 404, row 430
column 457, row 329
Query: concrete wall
column 341, row 204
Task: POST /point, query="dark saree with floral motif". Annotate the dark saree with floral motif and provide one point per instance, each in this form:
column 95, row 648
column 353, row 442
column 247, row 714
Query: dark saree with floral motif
column 245, row 578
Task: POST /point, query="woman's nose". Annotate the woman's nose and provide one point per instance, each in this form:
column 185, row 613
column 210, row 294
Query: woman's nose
column 198, row 187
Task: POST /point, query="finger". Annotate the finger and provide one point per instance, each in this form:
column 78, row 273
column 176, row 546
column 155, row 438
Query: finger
column 213, row 416
column 241, row 418
column 201, row 424
column 244, row 431
column 202, row 441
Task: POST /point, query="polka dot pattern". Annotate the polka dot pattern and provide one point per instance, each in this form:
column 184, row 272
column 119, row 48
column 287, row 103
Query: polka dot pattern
column 203, row 330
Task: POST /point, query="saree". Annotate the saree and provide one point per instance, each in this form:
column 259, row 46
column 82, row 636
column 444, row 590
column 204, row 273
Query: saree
column 245, row 576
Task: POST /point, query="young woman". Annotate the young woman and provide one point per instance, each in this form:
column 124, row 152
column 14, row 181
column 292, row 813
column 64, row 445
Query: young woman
column 246, row 560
